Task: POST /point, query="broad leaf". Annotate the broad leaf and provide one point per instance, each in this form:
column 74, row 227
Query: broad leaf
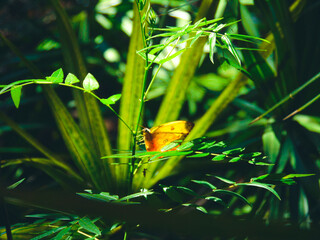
column 16, row 95
column 90, row 83
column 110, row 100
column 71, row 79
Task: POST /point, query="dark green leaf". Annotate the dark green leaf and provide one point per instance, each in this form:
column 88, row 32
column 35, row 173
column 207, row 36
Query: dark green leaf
column 224, row 180
column 261, row 185
column 63, row 233
column 215, row 199
column 90, row 83
column 204, row 183
column 234, row 194
column 186, row 190
column 48, row 233
column 89, row 225
column 71, row 79
column 16, row 95
column 13, row 186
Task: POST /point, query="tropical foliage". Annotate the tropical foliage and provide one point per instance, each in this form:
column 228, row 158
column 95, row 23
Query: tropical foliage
column 236, row 69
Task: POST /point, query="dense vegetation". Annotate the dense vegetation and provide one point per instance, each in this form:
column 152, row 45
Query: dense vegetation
column 81, row 79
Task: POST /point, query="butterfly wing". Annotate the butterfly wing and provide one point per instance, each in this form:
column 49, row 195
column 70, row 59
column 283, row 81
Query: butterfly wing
column 158, row 137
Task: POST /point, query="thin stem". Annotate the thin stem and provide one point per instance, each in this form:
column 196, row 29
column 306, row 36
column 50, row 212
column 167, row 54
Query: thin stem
column 303, row 107
column 160, row 65
column 291, row 95
column 145, row 77
column 4, row 215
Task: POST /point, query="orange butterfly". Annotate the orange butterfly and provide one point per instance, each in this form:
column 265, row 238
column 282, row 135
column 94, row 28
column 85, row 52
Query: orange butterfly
column 158, row 137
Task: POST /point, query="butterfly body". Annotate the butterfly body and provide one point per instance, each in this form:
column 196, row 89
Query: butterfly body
column 157, row 137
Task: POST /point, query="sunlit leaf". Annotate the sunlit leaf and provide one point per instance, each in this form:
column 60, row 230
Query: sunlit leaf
column 71, row 79
column 212, row 44
column 230, row 47
column 16, row 95
column 219, row 158
column 110, row 100
column 233, row 151
column 143, row 193
column 90, row 83
column 13, row 186
column 56, row 76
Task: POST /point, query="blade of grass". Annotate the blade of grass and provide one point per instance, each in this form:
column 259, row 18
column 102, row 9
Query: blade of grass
column 90, row 117
column 291, row 95
column 131, row 92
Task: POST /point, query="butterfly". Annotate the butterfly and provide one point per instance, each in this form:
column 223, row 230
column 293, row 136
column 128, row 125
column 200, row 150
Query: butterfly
column 157, row 137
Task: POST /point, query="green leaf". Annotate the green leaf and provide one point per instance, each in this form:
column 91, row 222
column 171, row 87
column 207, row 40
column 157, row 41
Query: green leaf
column 186, row 190
column 234, row 194
column 233, row 151
column 16, row 95
column 162, row 61
column 88, row 225
column 261, row 185
column 235, row 159
column 185, row 146
column 198, row 155
column 103, row 196
column 250, row 155
column 63, row 233
column 56, row 76
column 309, row 122
column 90, row 83
column 170, row 154
column 143, row 193
column 111, row 100
column 219, row 158
column 171, row 145
column 212, row 44
column 204, row 183
column 297, row 175
column 224, row 180
column 173, row 194
column 71, row 79
column 13, row 186
column 216, row 199
column 48, row 233
column 230, row 47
